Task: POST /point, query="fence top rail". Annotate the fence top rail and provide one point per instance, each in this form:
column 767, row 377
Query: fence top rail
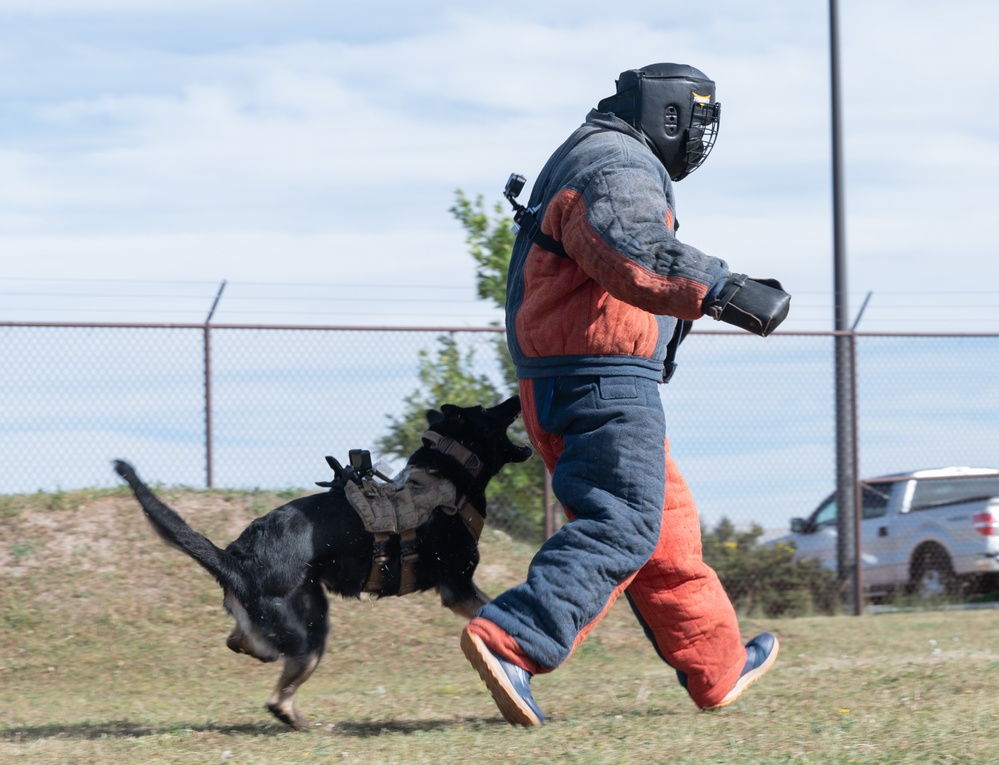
column 213, row 325
column 386, row 328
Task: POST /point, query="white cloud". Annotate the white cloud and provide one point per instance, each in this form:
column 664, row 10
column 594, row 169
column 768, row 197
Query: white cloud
column 78, row 8
column 355, row 126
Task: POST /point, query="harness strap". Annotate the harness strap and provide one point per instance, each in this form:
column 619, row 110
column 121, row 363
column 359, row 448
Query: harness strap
column 379, row 562
column 456, row 451
column 539, row 237
column 409, row 552
column 527, row 217
column 409, row 556
column 472, row 516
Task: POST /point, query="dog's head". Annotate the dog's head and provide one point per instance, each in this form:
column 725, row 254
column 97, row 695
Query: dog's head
column 481, row 431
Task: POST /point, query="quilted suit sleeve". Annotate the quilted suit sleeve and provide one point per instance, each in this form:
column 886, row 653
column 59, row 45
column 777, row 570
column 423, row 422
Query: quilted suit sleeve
column 618, row 228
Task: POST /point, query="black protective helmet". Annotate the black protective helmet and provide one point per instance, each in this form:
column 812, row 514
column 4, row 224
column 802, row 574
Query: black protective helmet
column 674, row 106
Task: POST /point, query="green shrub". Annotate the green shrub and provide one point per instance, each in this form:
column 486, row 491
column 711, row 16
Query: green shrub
column 765, row 580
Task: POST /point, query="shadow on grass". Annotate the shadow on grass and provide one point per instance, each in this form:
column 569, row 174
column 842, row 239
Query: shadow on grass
column 374, row 728
column 352, row 728
column 126, row 729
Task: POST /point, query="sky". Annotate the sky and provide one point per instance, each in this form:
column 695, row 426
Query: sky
column 299, row 160
column 307, row 152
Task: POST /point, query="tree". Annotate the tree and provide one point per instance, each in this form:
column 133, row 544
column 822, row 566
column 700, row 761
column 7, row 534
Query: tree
column 490, row 243
column 767, row 580
column 448, row 376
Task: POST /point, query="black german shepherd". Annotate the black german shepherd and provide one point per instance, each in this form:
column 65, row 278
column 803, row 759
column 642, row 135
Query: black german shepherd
column 275, row 574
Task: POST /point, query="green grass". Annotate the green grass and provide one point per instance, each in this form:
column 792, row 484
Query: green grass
column 112, row 651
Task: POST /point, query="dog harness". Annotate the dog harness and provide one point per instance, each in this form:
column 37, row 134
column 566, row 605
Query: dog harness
column 473, row 517
column 397, row 507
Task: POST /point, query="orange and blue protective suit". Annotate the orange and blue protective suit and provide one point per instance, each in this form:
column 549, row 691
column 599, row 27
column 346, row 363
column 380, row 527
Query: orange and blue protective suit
column 588, row 335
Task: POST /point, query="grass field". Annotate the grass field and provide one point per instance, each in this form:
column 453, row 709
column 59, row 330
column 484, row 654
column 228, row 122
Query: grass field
column 112, row 651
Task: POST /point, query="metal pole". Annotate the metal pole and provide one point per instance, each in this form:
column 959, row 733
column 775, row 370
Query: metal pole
column 847, row 549
column 208, row 406
column 858, row 499
column 858, row 514
column 209, row 482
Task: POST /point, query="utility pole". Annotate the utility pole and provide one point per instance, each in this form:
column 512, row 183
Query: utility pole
column 847, row 486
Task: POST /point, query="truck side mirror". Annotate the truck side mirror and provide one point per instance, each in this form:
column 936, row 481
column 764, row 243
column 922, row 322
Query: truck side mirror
column 798, row 525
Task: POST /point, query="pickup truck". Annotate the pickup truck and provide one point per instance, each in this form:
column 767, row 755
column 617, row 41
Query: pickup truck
column 932, row 532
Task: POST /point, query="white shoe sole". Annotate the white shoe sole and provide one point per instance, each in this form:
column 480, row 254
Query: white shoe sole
column 509, row 702
column 748, row 679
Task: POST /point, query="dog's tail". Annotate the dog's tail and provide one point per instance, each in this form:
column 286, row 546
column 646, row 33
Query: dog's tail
column 174, row 531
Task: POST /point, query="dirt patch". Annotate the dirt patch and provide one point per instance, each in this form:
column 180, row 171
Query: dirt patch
column 98, row 535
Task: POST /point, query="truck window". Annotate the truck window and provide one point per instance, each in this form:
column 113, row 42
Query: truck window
column 951, row 491
column 825, row 515
column 875, row 497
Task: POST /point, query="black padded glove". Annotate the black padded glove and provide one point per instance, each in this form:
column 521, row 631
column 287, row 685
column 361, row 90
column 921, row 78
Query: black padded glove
column 758, row 305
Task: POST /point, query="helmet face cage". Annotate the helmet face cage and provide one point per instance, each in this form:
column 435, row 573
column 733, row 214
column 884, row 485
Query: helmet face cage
column 701, row 135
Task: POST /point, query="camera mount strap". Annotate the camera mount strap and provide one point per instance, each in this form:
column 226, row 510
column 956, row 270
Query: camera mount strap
column 526, row 218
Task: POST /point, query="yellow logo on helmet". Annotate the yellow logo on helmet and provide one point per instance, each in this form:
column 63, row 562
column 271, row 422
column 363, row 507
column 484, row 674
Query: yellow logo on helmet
column 699, row 99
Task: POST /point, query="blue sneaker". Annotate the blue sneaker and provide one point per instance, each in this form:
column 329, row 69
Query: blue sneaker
column 761, row 653
column 509, row 684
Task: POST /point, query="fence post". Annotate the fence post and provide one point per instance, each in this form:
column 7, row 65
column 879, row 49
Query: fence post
column 208, row 406
column 209, row 479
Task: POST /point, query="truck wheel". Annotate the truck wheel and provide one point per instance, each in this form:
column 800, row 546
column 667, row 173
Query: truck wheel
column 990, row 583
column 933, row 576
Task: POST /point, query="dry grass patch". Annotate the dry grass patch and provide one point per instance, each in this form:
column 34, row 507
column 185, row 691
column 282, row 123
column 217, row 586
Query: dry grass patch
column 112, row 651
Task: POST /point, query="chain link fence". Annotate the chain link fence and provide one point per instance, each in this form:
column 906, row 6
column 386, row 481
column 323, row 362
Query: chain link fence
column 752, row 422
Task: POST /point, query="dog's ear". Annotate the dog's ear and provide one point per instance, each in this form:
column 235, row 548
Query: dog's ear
column 452, row 412
column 433, row 416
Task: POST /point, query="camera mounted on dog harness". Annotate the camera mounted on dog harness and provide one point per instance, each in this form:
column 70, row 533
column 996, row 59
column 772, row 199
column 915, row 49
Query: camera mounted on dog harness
column 360, row 468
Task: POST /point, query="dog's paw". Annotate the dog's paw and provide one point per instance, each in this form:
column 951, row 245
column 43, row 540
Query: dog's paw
column 287, row 714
